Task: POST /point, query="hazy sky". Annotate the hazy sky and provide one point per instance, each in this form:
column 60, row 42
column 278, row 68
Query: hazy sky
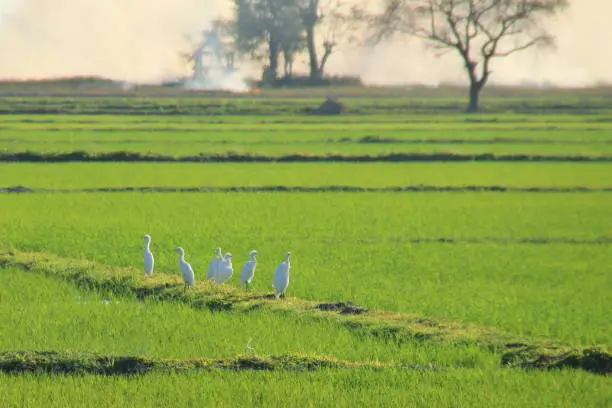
column 140, row 40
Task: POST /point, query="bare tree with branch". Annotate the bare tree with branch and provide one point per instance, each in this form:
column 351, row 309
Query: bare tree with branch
column 339, row 25
column 478, row 30
column 334, row 22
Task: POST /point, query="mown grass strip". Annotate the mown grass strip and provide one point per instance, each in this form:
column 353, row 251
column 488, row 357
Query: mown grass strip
column 306, row 189
column 81, row 156
column 395, row 328
column 81, row 362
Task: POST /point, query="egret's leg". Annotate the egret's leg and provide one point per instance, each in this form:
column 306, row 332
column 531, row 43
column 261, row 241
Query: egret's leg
column 247, row 286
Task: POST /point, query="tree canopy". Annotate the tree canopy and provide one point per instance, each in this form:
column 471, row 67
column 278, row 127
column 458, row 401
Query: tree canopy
column 273, row 29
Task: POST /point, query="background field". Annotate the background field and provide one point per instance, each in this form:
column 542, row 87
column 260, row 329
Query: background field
column 277, row 135
column 529, row 263
column 372, row 175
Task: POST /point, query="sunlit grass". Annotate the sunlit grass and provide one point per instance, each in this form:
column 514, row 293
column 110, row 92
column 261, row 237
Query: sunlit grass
column 94, row 175
column 365, row 248
column 452, row 387
column 525, row 263
column 172, row 148
column 277, row 135
column 44, row 314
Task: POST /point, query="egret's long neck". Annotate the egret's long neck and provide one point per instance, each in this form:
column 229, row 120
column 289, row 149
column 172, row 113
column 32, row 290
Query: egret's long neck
column 181, row 257
column 148, row 245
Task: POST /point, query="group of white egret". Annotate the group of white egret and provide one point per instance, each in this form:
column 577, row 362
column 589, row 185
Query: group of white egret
column 220, row 268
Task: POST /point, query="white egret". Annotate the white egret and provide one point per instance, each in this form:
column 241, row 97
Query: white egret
column 226, row 270
column 214, row 265
column 149, row 261
column 186, row 270
column 248, row 269
column 281, row 276
column 249, row 348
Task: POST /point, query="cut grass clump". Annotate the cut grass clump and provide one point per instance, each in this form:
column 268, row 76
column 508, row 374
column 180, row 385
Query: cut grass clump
column 342, row 308
column 80, row 362
column 71, row 363
column 594, row 359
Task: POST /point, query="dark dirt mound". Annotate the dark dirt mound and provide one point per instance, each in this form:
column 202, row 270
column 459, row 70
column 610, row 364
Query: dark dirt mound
column 342, row 307
column 330, row 106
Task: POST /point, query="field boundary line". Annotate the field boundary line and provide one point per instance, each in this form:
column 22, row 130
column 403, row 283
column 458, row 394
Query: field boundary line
column 123, row 156
column 369, row 140
column 392, row 327
column 309, row 189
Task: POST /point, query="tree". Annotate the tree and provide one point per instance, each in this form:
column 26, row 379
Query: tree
column 478, row 30
column 291, row 44
column 334, row 19
column 341, row 23
column 275, row 24
column 309, row 13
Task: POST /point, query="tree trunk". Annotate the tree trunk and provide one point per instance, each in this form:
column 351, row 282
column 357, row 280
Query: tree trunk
column 273, row 66
column 310, row 19
column 315, row 74
column 288, row 64
column 475, row 88
column 326, row 54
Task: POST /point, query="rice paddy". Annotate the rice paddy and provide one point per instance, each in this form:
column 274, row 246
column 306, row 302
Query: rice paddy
column 516, row 256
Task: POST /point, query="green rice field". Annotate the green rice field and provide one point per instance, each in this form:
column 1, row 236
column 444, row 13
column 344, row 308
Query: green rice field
column 413, row 283
column 369, row 175
column 276, row 136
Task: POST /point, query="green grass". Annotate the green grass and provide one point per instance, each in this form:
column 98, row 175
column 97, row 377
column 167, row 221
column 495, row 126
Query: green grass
column 511, row 134
column 396, row 328
column 153, row 100
column 96, row 175
column 372, row 249
column 477, row 284
column 52, row 313
column 455, row 387
column 55, row 315
column 174, row 148
column 470, row 126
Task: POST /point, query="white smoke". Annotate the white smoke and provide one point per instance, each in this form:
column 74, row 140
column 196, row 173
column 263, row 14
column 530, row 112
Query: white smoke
column 135, row 41
column 141, row 41
column 581, row 57
column 219, row 80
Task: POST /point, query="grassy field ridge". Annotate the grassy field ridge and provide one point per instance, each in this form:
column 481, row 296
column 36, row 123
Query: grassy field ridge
column 394, row 327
